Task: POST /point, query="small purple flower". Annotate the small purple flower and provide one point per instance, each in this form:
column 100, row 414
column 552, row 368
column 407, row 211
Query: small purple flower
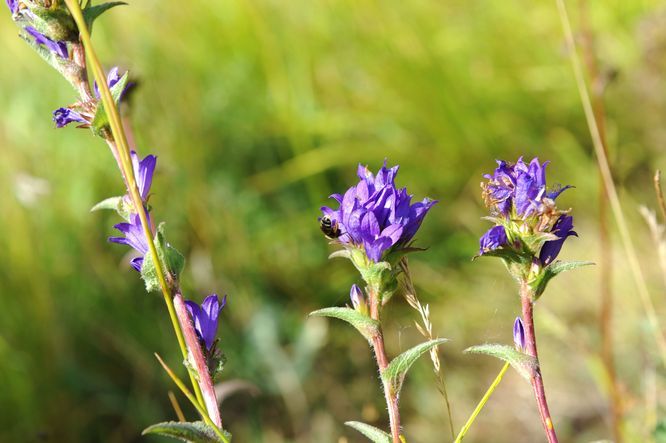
column 205, row 318
column 143, row 172
column 134, row 237
column 13, row 6
column 518, row 188
column 494, row 238
column 111, row 79
column 375, row 214
column 356, row 296
column 58, row 48
column 563, row 228
column 519, row 334
column 64, row 116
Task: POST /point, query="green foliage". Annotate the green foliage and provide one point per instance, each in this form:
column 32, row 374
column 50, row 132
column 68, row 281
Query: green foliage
column 375, row 435
column 101, row 120
column 171, row 259
column 92, row 13
column 395, row 372
column 539, row 283
column 196, row 432
column 521, row 362
column 363, row 324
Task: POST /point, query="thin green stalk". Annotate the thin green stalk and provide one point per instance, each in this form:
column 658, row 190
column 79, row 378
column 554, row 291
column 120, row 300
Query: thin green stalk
column 192, row 400
column 126, row 168
column 602, row 160
column 482, row 403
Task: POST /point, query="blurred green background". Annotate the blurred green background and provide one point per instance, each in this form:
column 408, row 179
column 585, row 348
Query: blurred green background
column 258, row 110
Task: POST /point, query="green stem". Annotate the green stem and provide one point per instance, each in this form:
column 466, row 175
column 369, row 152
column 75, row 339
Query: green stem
column 482, row 403
column 120, row 139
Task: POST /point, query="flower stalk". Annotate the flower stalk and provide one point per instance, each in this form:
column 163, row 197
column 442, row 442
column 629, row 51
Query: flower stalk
column 536, row 379
column 117, row 141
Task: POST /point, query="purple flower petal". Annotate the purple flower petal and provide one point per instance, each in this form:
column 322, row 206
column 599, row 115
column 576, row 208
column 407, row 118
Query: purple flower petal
column 13, row 6
column 143, row 172
column 519, row 334
column 64, row 116
column 563, row 228
column 205, row 318
column 133, row 237
column 58, row 48
column 494, row 238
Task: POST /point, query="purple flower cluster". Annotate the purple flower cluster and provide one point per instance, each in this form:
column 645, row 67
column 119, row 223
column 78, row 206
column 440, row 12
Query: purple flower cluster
column 375, row 214
column 58, row 48
column 205, row 318
column 518, row 193
column 133, row 230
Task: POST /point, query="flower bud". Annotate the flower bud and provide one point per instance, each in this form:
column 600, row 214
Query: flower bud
column 357, row 299
column 519, row 334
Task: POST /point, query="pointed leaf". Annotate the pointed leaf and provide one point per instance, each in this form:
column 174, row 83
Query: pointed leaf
column 395, row 372
column 91, row 13
column 364, row 324
column 539, row 284
column 109, row 203
column 375, row 435
column 342, row 253
column 196, row 432
column 521, row 362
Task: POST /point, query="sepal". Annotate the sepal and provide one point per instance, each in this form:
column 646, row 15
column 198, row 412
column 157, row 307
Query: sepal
column 539, row 281
column 374, row 434
column 100, row 122
column 118, row 204
column 526, row 365
column 171, row 259
column 195, row 432
column 363, row 324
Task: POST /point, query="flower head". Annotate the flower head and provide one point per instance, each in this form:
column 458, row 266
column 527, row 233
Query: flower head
column 58, row 48
column 143, row 172
column 375, row 215
column 519, row 334
column 64, row 116
column 205, row 318
column 523, row 209
column 133, row 237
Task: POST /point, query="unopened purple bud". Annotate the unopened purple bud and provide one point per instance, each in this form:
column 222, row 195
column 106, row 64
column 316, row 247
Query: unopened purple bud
column 519, row 334
column 356, row 296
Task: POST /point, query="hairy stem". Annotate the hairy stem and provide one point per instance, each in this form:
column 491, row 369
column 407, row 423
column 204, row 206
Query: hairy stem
column 482, row 403
column 382, row 362
column 531, row 349
column 197, row 359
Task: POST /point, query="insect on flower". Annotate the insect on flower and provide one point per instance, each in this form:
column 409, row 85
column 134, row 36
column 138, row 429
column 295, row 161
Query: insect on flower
column 330, row 228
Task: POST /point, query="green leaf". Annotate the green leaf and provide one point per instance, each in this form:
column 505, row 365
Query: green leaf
column 100, row 121
column 539, row 283
column 196, row 432
column 91, row 13
column 171, row 259
column 521, row 362
column 364, row 324
column 109, row 203
column 375, row 435
column 395, row 372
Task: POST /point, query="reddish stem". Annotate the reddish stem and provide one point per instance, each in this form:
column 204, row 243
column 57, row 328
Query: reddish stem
column 197, row 359
column 531, row 349
column 382, row 363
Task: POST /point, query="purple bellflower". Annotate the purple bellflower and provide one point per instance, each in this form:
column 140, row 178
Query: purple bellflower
column 519, row 334
column 143, row 172
column 58, row 48
column 375, row 215
column 205, row 318
column 522, row 205
column 64, row 116
column 133, row 237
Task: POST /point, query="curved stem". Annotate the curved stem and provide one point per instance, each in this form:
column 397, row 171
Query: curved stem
column 531, row 349
column 482, row 403
column 382, row 362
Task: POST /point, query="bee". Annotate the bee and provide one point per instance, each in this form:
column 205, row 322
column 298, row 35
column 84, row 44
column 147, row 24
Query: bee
column 329, row 227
